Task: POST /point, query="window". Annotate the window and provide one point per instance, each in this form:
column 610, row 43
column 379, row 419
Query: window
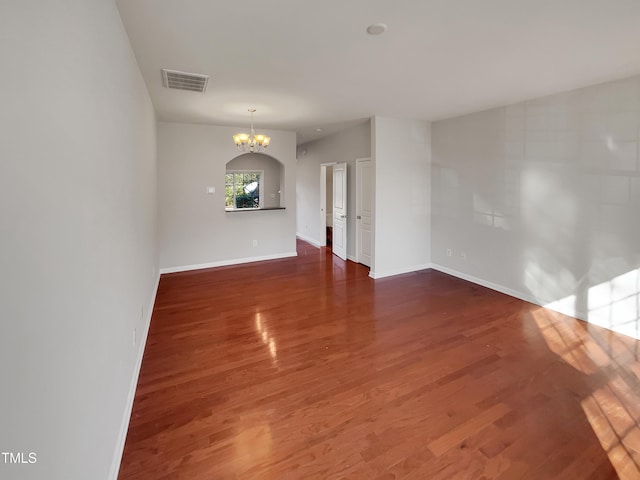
column 242, row 190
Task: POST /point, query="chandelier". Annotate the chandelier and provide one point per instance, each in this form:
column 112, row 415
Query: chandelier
column 250, row 142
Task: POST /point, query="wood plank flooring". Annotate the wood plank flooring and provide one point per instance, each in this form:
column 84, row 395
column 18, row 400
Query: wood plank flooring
column 305, row 368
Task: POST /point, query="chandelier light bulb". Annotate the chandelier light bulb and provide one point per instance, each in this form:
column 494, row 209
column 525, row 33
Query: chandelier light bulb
column 250, row 142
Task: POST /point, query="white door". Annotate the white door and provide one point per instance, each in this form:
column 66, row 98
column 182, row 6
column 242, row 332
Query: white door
column 340, row 210
column 364, row 210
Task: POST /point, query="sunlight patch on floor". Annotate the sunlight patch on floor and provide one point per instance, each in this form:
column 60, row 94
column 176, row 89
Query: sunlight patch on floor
column 575, row 346
column 614, row 417
column 613, row 411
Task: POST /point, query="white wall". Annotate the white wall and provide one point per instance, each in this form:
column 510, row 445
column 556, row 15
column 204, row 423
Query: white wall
column 544, row 199
column 401, row 152
column 194, row 228
column 77, row 233
column 345, row 146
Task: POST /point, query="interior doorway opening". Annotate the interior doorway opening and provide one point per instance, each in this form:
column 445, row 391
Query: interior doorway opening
column 326, row 204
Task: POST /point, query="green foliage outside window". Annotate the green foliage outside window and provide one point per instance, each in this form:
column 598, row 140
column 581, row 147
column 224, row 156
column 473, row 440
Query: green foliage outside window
column 242, row 190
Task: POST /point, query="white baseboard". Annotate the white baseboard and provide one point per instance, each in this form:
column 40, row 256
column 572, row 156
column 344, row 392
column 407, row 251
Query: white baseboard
column 399, row 271
column 486, row 283
column 124, row 426
column 224, row 263
column 352, row 258
column 550, row 304
column 559, row 306
column 310, row 240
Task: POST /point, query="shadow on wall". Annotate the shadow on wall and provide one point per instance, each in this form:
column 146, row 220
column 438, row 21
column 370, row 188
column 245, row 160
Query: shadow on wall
column 582, row 207
column 545, row 195
column 577, row 260
column 579, row 197
column 579, row 210
column 574, row 261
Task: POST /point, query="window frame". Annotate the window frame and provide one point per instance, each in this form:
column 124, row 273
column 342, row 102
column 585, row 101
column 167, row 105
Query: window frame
column 260, row 174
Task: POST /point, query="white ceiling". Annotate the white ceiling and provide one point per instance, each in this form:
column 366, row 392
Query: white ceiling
column 306, row 65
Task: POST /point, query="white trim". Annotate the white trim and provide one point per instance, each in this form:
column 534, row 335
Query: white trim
column 358, row 209
column 126, row 419
column 374, row 200
column 487, row 284
column 352, row 258
column 399, row 271
column 224, row 263
column 323, row 202
column 514, row 293
column 310, row 240
column 490, row 285
column 260, row 186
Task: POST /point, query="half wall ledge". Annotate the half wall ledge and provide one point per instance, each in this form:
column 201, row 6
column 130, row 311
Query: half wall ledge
column 254, row 209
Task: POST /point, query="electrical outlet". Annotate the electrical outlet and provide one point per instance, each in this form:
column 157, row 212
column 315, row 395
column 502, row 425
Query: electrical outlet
column 255, row 243
column 448, row 252
column 463, row 255
column 211, row 190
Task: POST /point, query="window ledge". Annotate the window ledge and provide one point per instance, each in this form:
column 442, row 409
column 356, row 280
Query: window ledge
column 235, row 210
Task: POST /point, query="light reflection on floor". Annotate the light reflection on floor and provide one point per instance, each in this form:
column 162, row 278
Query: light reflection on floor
column 253, row 441
column 266, row 338
column 613, row 410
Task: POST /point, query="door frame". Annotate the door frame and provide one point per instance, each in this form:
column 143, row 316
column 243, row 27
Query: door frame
column 323, row 202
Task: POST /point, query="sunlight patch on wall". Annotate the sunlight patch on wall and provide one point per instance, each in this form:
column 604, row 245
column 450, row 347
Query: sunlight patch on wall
column 566, row 305
column 549, row 210
column 616, row 304
column 485, row 214
column 610, row 143
column 544, row 278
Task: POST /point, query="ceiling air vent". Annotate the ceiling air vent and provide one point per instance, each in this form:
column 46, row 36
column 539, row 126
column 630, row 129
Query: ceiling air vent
column 193, row 82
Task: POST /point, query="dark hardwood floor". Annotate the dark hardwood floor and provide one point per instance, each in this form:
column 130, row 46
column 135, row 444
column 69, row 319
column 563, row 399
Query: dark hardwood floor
column 305, row 368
